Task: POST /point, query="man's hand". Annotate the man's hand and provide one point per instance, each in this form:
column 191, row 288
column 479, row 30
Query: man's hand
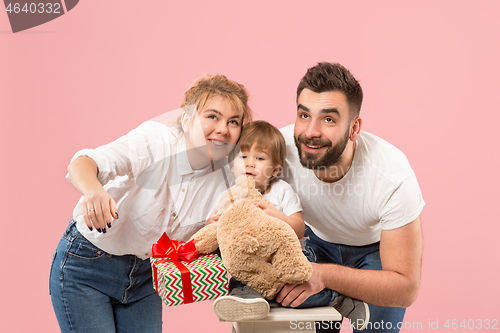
column 296, row 294
column 396, row 285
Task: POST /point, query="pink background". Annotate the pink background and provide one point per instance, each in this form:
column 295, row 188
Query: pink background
column 429, row 69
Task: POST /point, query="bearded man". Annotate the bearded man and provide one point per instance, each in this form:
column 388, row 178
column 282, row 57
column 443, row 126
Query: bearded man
column 361, row 202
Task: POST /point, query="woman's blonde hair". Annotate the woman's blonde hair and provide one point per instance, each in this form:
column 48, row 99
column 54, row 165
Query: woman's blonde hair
column 209, row 86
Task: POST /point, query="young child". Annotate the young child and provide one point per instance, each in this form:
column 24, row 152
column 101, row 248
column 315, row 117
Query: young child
column 261, row 156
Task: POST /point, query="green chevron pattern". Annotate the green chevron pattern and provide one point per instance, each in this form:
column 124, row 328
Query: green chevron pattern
column 208, row 279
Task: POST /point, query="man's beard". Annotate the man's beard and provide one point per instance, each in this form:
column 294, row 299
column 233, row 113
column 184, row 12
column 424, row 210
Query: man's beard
column 331, row 157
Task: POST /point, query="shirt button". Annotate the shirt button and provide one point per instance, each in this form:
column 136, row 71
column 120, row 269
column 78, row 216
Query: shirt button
column 183, row 190
column 147, row 254
column 174, row 215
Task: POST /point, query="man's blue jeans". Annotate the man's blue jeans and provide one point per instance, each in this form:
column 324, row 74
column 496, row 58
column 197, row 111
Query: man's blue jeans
column 93, row 291
column 382, row 319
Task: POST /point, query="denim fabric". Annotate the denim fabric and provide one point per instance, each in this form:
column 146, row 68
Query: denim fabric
column 323, row 298
column 362, row 257
column 93, row 291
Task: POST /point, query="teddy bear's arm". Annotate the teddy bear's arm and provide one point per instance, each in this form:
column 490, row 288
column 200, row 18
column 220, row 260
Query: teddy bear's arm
column 205, row 239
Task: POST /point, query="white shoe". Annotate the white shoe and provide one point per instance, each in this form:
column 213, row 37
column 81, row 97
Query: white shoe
column 241, row 305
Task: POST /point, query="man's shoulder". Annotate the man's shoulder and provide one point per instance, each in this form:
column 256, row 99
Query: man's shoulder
column 287, row 128
column 291, row 151
column 287, row 132
column 292, row 162
column 374, row 145
column 382, row 157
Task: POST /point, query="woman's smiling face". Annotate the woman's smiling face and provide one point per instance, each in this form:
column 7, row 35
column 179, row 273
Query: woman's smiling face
column 214, row 131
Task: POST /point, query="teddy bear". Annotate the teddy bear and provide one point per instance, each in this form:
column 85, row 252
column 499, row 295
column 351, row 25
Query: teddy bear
column 257, row 249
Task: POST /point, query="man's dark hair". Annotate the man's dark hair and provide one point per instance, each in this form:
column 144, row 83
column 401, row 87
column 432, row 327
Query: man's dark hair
column 327, row 76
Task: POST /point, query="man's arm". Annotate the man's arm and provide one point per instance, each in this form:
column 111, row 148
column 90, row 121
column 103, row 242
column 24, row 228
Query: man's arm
column 396, row 285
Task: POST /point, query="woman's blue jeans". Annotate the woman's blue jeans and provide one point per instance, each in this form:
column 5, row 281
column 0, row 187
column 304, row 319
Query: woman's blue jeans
column 382, row 319
column 93, row 291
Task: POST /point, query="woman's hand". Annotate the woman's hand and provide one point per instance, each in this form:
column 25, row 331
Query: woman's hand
column 99, row 209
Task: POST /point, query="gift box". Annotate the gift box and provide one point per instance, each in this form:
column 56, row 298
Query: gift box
column 182, row 276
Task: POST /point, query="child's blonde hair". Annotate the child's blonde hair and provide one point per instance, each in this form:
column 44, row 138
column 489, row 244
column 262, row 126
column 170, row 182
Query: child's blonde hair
column 266, row 137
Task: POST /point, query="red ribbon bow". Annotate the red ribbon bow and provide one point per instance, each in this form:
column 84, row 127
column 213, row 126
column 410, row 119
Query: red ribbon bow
column 175, row 251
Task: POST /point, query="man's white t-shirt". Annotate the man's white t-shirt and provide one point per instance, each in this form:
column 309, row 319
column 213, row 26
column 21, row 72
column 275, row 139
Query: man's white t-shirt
column 379, row 192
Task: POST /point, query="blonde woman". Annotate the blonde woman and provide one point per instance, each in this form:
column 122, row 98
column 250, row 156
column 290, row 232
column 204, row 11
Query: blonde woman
column 150, row 181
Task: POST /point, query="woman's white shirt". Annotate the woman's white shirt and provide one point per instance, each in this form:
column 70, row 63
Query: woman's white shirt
column 148, row 174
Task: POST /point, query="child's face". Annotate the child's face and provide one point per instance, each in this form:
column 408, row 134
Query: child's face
column 256, row 163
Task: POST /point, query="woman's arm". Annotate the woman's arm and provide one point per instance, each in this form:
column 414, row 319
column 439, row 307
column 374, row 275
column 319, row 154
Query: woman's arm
column 128, row 155
column 98, row 206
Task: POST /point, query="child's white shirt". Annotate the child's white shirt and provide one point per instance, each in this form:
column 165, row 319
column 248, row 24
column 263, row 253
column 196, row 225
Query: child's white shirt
column 283, row 197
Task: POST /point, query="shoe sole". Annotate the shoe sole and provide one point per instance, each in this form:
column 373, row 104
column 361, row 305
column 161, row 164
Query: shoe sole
column 230, row 308
column 367, row 311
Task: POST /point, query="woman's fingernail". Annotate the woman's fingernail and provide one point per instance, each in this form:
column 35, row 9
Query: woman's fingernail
column 90, row 228
column 98, row 229
column 116, row 214
column 103, row 230
column 109, row 224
